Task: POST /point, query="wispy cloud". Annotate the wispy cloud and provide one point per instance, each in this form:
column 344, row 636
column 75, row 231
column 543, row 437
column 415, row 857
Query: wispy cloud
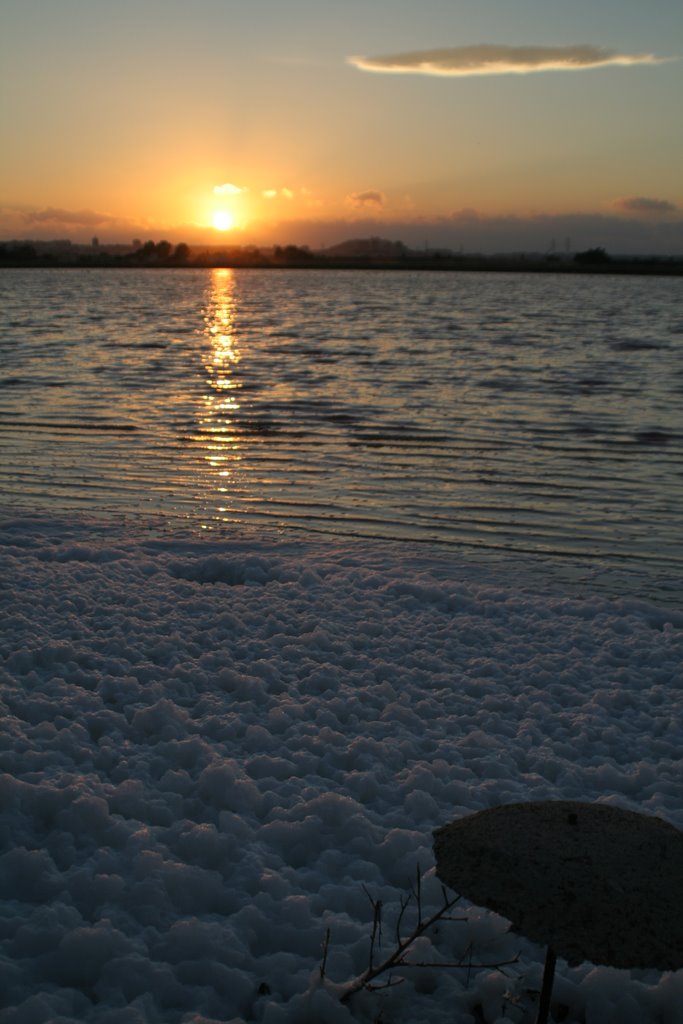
column 646, row 205
column 68, row 218
column 227, row 189
column 281, row 193
column 370, row 197
column 57, row 222
column 495, row 59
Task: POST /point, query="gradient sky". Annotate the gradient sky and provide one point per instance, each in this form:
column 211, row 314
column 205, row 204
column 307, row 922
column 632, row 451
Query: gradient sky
column 486, row 124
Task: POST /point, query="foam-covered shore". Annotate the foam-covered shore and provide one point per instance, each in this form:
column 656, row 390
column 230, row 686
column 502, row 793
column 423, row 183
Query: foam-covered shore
column 209, row 749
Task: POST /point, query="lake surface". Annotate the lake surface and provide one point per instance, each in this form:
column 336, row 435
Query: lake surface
column 506, row 415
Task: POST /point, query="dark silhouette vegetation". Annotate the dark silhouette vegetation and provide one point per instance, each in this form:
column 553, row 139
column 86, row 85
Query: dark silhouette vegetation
column 592, row 257
column 358, row 254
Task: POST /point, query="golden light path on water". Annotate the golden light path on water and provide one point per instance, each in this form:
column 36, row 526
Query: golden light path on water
column 221, row 400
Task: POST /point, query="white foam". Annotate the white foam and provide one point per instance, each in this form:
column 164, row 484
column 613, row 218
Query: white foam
column 209, row 749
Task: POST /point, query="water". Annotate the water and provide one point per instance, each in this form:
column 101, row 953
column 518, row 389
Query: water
column 506, row 415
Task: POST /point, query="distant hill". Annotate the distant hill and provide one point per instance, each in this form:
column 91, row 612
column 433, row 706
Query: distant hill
column 377, row 248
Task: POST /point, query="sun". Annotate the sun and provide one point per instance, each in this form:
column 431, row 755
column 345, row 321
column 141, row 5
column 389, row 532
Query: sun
column 223, row 220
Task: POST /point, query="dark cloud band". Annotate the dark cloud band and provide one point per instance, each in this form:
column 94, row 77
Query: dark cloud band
column 494, row 59
column 646, row 205
column 370, row 197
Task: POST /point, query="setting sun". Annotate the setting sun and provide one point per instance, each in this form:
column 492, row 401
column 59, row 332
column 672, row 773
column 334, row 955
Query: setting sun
column 223, row 221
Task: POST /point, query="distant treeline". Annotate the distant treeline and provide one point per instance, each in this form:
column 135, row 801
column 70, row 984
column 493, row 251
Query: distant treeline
column 165, row 255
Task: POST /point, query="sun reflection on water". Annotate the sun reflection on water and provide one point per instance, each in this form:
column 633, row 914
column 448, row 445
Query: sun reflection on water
column 221, row 399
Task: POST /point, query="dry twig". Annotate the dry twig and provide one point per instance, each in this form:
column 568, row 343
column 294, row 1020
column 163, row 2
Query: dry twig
column 398, row 957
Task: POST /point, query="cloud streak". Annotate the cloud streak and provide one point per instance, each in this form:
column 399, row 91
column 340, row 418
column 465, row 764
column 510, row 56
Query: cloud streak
column 495, row 59
column 279, row 193
column 49, row 222
column 68, row 218
column 370, row 197
column 227, row 189
column 646, row 205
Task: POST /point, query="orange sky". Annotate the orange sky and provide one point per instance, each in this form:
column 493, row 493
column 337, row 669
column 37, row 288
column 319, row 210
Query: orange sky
column 326, row 120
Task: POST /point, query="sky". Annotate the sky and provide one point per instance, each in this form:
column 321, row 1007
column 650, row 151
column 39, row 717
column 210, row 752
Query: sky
column 483, row 125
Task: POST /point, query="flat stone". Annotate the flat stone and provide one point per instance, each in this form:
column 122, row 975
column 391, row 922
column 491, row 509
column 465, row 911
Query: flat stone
column 593, row 881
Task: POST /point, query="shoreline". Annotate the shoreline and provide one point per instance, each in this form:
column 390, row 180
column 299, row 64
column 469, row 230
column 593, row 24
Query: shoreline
column 556, row 575
column 656, row 267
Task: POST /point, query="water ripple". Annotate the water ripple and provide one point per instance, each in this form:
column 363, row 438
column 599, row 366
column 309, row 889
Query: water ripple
column 509, row 413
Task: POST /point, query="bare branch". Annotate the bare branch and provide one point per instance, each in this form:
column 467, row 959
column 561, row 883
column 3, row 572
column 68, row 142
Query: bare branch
column 494, row 966
column 405, row 902
column 397, row 958
column 376, row 935
column 326, row 946
column 391, row 983
column 469, row 965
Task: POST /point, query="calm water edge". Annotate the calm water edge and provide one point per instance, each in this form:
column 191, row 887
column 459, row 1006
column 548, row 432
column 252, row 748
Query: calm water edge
column 506, row 415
